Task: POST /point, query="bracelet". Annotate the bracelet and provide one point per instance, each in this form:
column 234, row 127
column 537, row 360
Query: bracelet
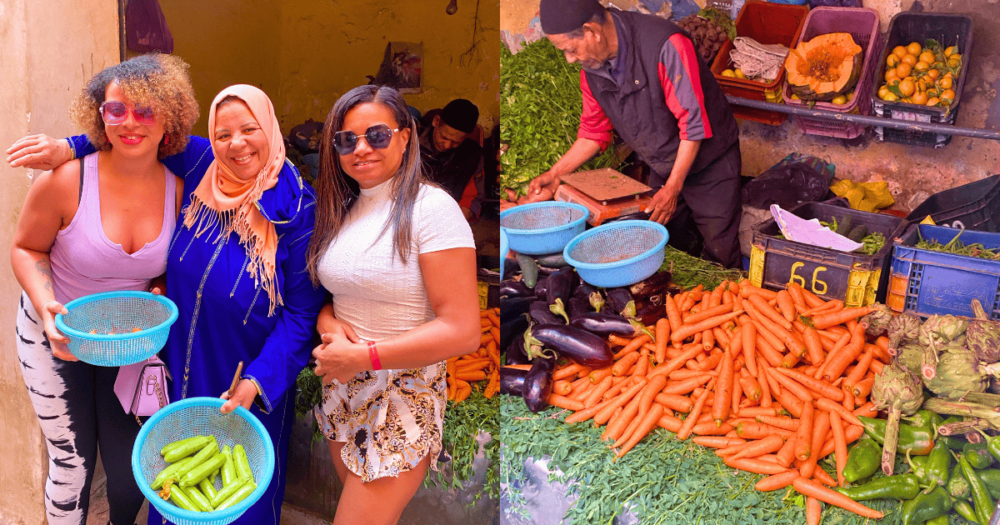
column 373, row 355
column 72, row 150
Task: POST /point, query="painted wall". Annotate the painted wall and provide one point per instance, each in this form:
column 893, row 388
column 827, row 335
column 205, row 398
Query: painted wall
column 306, row 54
column 38, row 79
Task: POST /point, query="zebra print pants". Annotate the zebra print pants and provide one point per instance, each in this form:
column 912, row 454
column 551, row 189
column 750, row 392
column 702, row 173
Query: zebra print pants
column 78, row 412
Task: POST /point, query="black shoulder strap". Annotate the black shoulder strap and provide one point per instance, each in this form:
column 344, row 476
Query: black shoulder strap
column 80, row 197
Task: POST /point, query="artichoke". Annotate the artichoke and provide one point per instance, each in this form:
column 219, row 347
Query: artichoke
column 902, row 329
column 910, row 355
column 958, row 372
column 938, row 331
column 878, row 321
column 983, row 335
column 900, row 391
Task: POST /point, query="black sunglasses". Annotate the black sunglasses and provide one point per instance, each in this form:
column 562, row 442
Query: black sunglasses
column 378, row 136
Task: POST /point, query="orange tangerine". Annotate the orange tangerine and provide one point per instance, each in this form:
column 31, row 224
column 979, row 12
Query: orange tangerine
column 914, row 48
column 946, row 82
column 933, row 101
column 907, row 87
column 947, row 96
column 926, row 56
column 891, row 75
column 892, row 60
column 933, row 74
column 920, row 98
column 909, row 59
column 903, row 70
column 899, row 51
column 922, row 66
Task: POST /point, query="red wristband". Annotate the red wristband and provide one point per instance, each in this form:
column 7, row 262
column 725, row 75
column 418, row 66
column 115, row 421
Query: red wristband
column 373, row 355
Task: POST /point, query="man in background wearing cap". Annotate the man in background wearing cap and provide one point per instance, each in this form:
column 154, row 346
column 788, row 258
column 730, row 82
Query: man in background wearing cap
column 642, row 77
column 451, row 158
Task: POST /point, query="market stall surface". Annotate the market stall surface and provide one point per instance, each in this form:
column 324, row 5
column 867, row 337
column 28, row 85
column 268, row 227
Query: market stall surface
column 661, row 481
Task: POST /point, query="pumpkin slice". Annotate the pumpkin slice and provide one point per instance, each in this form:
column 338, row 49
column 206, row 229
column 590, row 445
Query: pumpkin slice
column 824, row 67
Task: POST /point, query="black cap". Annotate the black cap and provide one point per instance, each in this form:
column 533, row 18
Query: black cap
column 565, row 16
column 461, row 115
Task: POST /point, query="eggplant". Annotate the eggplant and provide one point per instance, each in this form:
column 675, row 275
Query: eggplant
column 514, row 307
column 515, row 352
column 576, row 344
column 512, row 380
column 538, row 384
column 649, row 314
column 603, row 324
column 542, row 288
column 510, row 265
column 652, row 285
column 540, row 313
column 618, row 298
column 512, row 288
column 577, row 306
column 514, row 331
column 583, row 291
column 560, row 284
column 554, row 260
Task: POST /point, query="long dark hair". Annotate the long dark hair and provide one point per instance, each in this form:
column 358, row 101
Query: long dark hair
column 337, row 192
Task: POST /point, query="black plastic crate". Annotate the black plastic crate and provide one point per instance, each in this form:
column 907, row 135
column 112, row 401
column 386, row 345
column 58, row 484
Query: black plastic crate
column 856, row 279
column 949, row 30
column 973, row 206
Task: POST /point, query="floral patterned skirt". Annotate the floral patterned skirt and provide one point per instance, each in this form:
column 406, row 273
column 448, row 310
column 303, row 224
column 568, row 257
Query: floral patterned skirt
column 389, row 420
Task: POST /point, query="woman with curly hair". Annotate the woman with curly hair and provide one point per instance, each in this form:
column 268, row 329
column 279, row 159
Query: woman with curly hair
column 236, row 270
column 97, row 225
column 399, row 258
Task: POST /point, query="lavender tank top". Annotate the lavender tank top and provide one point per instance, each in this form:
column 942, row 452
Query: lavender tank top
column 84, row 261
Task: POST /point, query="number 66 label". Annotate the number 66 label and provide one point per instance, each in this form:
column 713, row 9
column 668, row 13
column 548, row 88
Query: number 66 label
column 817, row 285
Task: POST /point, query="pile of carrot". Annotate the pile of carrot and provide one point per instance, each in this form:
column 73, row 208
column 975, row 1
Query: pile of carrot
column 465, row 372
column 774, row 381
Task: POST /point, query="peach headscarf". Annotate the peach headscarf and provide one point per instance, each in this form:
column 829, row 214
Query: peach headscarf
column 224, row 198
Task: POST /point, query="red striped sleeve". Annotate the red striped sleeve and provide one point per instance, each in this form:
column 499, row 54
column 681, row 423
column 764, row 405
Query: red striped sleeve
column 680, row 77
column 594, row 124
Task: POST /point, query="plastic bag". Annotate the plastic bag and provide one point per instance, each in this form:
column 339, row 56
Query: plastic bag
column 797, row 178
column 864, row 196
column 146, row 28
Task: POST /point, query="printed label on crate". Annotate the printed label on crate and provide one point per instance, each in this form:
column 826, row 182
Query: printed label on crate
column 906, row 115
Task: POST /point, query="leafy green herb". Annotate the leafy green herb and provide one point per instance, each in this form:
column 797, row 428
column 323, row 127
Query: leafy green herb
column 309, row 388
column 540, row 107
column 688, row 271
column 957, row 247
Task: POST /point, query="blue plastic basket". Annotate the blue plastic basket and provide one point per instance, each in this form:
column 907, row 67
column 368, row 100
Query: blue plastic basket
column 618, row 254
column 543, row 227
column 201, row 416
column 102, row 327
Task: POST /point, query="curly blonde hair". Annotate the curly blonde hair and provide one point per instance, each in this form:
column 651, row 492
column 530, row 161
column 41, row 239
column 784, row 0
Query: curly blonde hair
column 159, row 82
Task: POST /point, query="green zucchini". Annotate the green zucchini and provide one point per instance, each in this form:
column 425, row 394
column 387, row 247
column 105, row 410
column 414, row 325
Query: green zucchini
column 859, row 232
column 844, row 225
column 529, row 270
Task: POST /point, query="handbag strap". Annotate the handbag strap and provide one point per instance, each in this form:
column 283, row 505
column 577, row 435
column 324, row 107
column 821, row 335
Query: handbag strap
column 156, row 384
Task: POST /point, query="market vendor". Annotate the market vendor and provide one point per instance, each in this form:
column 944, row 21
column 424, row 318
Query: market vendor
column 451, row 158
column 642, row 77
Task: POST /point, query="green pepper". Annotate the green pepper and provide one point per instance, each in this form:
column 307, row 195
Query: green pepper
column 938, row 463
column 978, row 455
column 900, row 486
column 925, row 418
column 863, row 460
column 926, row 507
column 957, row 485
column 992, row 445
column 991, row 478
column 918, row 467
column 918, row 441
column 980, row 494
column 940, row 520
column 965, row 510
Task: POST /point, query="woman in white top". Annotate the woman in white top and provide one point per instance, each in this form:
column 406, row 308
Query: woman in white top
column 399, row 259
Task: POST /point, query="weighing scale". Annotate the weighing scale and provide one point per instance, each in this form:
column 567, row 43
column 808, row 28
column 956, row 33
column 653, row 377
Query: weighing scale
column 607, row 193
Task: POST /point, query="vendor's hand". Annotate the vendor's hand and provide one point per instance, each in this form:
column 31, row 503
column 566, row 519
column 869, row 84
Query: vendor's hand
column 244, row 395
column 331, row 326
column 546, row 181
column 545, row 194
column 39, row 152
column 57, row 341
column 339, row 358
column 664, row 202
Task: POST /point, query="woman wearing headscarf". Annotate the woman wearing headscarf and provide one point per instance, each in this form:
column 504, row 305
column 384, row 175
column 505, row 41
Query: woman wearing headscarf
column 237, row 271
